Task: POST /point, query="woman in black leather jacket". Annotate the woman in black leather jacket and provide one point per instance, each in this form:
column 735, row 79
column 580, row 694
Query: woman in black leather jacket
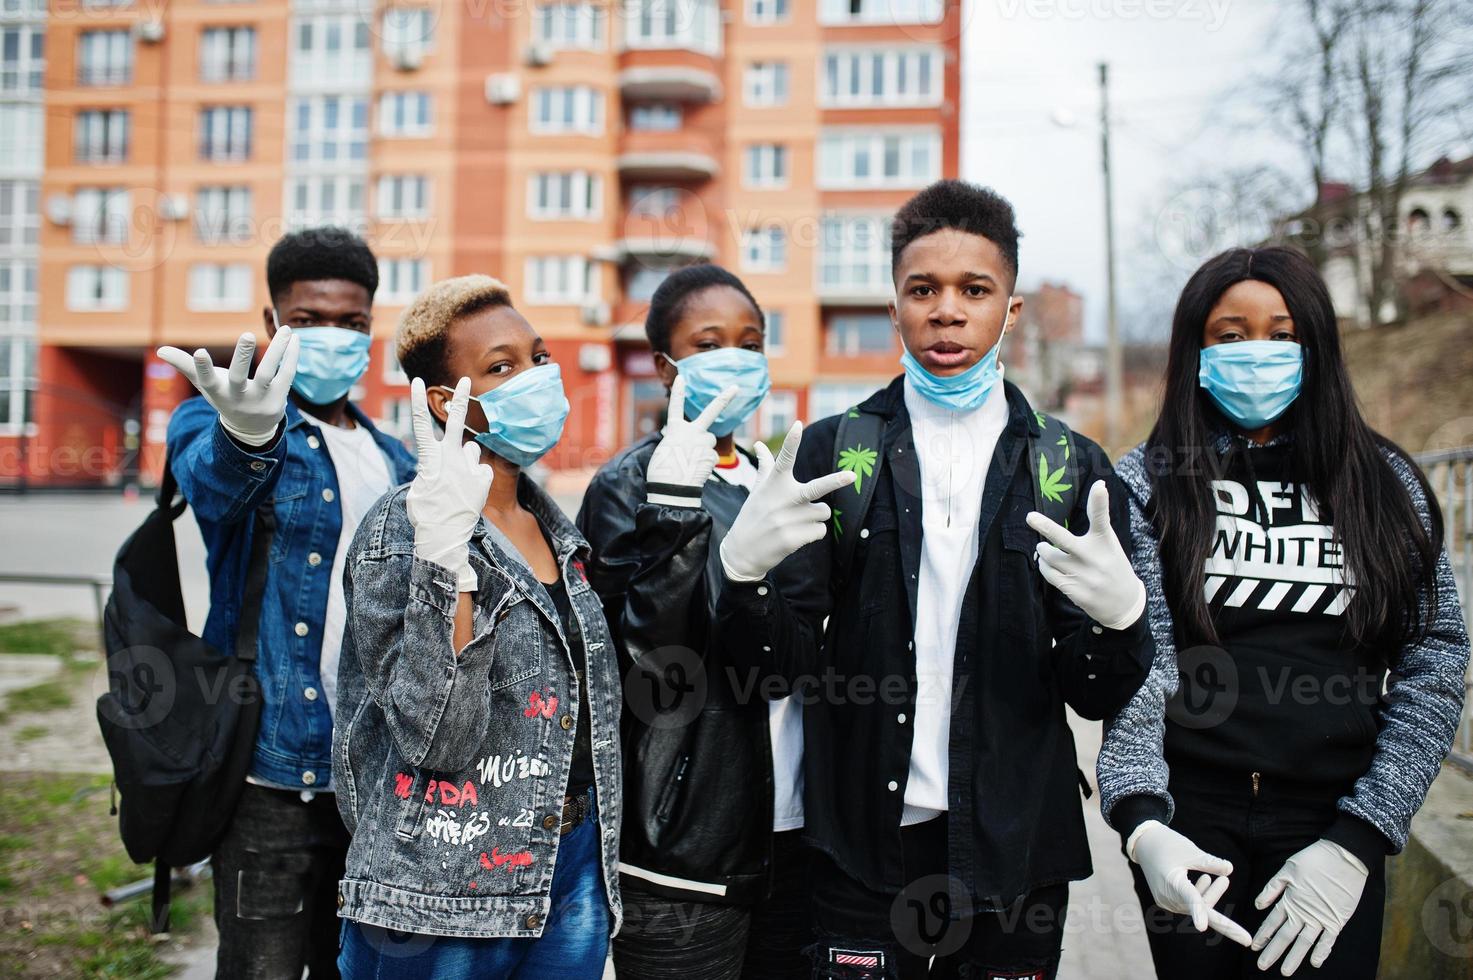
column 713, row 876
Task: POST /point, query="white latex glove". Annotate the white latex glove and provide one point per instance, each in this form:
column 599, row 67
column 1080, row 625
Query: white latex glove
column 780, row 515
column 1167, row 859
column 250, row 408
column 1091, row 568
column 686, row 455
column 450, row 487
column 1317, row 890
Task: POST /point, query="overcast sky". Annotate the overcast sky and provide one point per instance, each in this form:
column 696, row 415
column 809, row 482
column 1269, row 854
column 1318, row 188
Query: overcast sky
column 1172, row 63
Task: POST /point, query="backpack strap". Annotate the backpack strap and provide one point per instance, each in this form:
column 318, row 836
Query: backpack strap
column 857, row 450
column 1055, row 469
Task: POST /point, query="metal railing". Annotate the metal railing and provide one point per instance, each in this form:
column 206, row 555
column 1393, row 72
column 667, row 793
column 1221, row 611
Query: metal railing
column 1450, row 473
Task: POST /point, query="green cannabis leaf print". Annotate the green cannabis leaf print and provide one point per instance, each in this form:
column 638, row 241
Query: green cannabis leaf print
column 860, row 462
column 1048, row 481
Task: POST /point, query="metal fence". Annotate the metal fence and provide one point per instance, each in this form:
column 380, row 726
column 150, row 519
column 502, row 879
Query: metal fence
column 1451, row 474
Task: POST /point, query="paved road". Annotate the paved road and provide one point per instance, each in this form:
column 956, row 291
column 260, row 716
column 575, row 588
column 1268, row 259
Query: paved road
column 80, row 533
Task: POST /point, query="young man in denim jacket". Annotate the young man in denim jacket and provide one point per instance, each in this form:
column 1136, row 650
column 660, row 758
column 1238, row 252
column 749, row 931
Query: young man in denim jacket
column 288, row 439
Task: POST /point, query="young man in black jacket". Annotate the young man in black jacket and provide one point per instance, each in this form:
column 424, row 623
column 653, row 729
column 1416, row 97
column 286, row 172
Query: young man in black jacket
column 942, row 792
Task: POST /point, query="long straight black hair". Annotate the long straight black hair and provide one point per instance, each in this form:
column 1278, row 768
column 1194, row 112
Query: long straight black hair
column 1334, row 455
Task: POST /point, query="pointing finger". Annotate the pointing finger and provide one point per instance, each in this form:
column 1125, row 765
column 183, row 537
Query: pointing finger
column 788, row 455
column 1050, row 531
column 455, row 414
column 240, row 363
column 288, row 369
column 718, row 405
column 825, row 485
column 676, row 412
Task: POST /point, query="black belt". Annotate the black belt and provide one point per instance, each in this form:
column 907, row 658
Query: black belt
column 575, row 811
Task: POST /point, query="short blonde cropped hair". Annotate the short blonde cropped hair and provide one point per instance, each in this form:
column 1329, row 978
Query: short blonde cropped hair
column 419, row 343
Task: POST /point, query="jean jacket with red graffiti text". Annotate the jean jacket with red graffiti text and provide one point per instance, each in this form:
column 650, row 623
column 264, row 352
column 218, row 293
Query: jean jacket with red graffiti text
column 451, row 769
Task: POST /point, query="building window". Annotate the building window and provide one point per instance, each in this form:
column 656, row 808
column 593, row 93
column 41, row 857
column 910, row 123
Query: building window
column 576, row 194
column 22, row 58
column 871, row 159
column 765, row 165
column 859, row 334
column 104, row 58
column 774, row 331
column 94, row 288
column 831, row 398
column 403, row 197
column 100, row 215
column 563, row 26
column 18, row 293
column 693, row 24
column 24, row 8
column 766, row 11
column 778, row 413
column 17, row 379
column 559, row 280
column 765, row 83
column 573, row 109
column 219, row 288
column 227, row 54
column 405, row 114
column 409, row 32
column 400, row 280
column 874, row 77
column 325, row 199
column 225, row 133
column 101, row 135
column 854, row 255
column 661, row 117
column 222, row 215
column 329, row 130
column 879, row 12
column 643, row 280
column 20, row 212
column 764, row 249
column 333, row 49
column 654, row 202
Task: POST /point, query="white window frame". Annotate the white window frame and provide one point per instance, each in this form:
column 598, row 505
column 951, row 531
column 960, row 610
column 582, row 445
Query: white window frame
column 575, row 283
column 853, row 255
column 665, row 24
column 19, row 293
column 101, row 135
column 234, row 124
column 20, row 213
column 769, row 11
column 564, row 195
column 407, row 29
column 394, row 114
column 101, row 215
column 401, row 280
column 227, row 54
column 104, row 57
column 778, row 412
column 96, row 289
column 847, row 76
column 832, row 348
column 317, row 188
column 18, row 379
column 338, row 53
column 219, row 287
column 765, row 166
column 656, row 117
column 402, row 197
column 841, row 151
column 774, row 341
column 585, row 102
column 764, row 249
column 571, row 26
column 27, row 73
column 223, row 214
column 766, row 84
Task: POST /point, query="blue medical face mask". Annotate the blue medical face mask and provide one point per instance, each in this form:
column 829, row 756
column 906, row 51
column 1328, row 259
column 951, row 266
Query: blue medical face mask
column 960, row 392
column 1252, row 382
column 711, row 372
column 524, row 416
column 330, row 361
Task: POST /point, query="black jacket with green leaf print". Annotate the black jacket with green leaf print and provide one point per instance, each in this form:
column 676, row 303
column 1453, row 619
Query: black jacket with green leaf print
column 1023, row 652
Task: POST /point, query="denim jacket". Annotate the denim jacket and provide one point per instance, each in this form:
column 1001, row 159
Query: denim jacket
column 451, row 769
column 225, row 483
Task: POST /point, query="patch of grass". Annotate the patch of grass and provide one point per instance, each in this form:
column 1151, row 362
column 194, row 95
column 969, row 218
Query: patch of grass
column 29, row 733
column 59, row 637
column 45, row 696
column 59, row 849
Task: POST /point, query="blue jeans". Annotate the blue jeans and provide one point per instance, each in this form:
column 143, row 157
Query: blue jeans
column 573, row 946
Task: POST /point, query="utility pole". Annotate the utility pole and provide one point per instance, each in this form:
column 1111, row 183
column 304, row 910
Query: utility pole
column 1113, row 369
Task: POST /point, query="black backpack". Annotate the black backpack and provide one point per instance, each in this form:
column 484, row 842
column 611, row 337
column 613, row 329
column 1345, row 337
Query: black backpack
column 1051, row 462
column 179, row 717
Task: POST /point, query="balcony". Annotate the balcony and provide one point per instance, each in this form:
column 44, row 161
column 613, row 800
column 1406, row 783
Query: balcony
column 679, row 155
column 663, row 248
column 669, row 83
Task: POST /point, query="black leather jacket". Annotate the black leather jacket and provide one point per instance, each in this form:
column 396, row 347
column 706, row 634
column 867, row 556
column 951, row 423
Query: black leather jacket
column 697, row 754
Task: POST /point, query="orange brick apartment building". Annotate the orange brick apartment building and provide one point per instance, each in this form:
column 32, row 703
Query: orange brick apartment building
column 151, row 152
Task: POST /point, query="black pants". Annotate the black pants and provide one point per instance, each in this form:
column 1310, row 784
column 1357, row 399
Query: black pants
column 276, row 877
column 868, row 934
column 1221, row 814
column 669, row 939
